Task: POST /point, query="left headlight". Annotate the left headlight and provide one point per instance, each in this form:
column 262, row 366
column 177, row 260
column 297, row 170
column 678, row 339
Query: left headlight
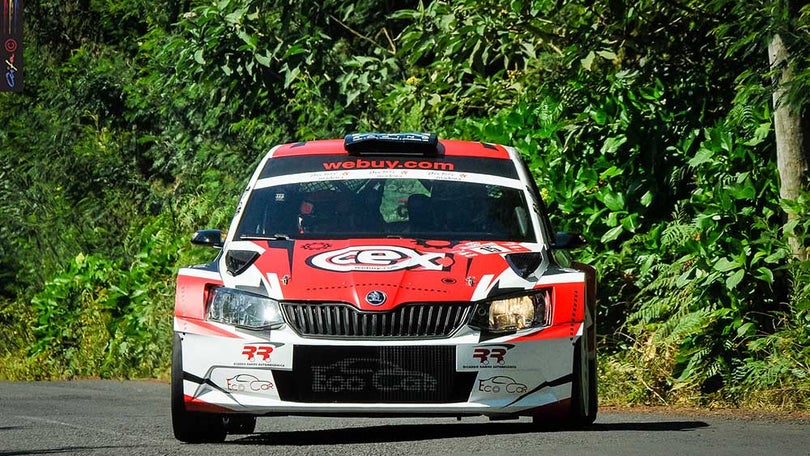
column 513, row 313
column 238, row 308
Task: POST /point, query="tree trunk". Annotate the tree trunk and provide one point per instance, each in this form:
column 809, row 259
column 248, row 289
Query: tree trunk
column 791, row 158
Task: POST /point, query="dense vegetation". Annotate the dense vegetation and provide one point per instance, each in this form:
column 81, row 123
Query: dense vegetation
column 648, row 125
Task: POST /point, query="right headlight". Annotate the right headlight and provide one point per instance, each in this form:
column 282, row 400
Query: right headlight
column 513, row 313
column 239, row 308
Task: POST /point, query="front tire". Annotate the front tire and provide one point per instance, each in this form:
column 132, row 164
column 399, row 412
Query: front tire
column 191, row 427
column 584, row 390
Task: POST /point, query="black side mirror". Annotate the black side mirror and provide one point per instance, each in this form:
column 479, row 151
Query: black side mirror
column 211, row 238
column 564, row 240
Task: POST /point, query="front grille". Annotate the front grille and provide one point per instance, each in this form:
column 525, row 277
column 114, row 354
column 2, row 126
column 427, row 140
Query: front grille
column 433, row 320
column 363, row 374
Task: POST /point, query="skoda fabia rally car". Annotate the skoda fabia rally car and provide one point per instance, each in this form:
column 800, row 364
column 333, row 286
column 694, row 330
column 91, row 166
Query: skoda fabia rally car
column 384, row 275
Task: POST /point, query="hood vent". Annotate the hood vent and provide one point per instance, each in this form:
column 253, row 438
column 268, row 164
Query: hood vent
column 237, row 261
column 524, row 264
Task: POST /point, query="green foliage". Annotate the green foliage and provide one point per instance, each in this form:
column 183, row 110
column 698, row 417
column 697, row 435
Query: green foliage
column 713, row 292
column 647, row 127
column 235, row 77
column 102, row 317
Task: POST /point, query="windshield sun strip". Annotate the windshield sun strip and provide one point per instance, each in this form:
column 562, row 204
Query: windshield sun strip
column 486, row 179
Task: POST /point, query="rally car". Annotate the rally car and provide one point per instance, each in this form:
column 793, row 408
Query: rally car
column 385, row 275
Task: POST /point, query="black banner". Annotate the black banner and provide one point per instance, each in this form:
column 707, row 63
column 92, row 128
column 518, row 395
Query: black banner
column 11, row 59
column 308, row 163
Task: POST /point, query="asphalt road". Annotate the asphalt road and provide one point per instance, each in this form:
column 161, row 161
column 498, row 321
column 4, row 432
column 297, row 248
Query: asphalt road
column 132, row 418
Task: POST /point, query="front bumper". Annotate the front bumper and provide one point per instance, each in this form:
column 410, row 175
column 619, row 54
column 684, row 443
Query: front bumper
column 280, row 373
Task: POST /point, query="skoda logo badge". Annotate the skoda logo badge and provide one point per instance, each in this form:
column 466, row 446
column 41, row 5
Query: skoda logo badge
column 376, row 298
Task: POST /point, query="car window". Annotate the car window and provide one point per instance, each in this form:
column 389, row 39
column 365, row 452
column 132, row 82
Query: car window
column 419, row 208
column 394, row 206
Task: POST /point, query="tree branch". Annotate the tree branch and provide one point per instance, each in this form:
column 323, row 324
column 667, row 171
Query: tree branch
column 364, row 37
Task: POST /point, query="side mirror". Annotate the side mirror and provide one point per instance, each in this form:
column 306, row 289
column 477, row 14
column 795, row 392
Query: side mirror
column 210, row 238
column 564, row 240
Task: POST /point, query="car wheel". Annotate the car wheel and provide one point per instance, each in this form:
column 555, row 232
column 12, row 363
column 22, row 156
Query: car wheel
column 584, row 390
column 584, row 400
column 191, row 427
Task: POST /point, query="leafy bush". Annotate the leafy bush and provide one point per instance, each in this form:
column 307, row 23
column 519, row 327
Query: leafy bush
column 140, row 129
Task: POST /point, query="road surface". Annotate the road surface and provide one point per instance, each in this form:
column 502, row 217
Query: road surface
column 132, row 418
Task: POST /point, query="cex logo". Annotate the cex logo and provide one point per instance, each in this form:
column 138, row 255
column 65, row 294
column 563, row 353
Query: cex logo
column 489, row 354
column 256, row 352
column 379, row 259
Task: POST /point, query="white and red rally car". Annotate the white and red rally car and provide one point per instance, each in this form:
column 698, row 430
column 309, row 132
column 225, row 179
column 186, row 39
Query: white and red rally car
column 384, row 274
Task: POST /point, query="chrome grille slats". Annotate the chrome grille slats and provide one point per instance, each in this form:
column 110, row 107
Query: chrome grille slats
column 448, row 318
column 408, row 321
column 410, row 311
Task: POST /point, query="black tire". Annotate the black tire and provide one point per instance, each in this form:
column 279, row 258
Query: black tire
column 191, row 427
column 584, row 391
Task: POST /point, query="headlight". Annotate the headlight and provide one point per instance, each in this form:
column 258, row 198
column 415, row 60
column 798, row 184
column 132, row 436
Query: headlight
column 512, row 314
column 238, row 308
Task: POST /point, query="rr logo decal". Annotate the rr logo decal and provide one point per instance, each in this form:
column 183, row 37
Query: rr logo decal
column 265, row 354
column 485, row 354
column 486, row 357
column 253, row 351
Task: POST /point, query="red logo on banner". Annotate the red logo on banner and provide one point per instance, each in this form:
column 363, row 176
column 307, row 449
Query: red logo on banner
column 11, row 51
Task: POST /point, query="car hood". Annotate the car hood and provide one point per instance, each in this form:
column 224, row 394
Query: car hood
column 376, row 274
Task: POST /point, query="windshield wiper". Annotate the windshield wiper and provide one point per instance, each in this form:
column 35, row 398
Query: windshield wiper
column 259, row 237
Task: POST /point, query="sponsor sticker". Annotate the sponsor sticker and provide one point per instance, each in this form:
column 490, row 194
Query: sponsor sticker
column 484, row 357
column 379, row 259
column 389, row 164
column 264, row 354
column 473, row 249
column 248, row 383
column 501, row 384
column 316, row 246
column 369, row 374
column 240, row 380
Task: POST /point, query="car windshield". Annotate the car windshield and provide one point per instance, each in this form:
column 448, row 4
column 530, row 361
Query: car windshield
column 366, row 208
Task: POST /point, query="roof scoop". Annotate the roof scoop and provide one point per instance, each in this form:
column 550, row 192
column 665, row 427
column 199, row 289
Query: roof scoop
column 417, row 144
